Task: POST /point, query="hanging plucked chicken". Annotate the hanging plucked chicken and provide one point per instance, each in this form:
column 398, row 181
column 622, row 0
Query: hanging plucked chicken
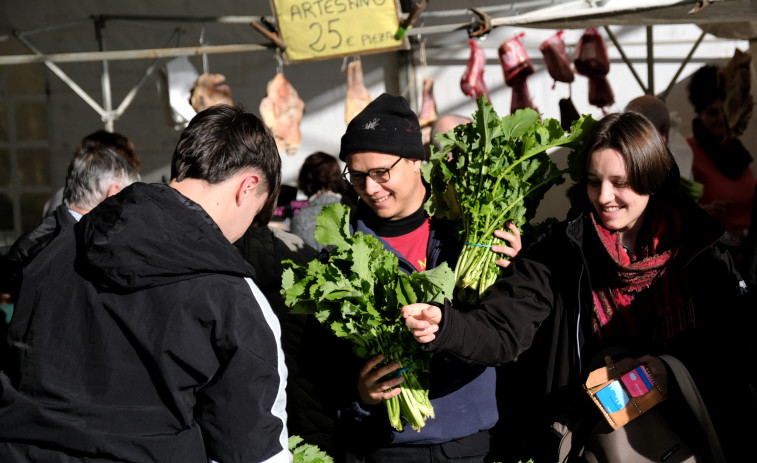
column 282, row 111
column 357, row 95
column 472, row 83
column 427, row 115
column 517, row 66
column 591, row 60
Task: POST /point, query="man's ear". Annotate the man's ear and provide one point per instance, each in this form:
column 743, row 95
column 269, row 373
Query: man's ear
column 247, row 187
column 115, row 188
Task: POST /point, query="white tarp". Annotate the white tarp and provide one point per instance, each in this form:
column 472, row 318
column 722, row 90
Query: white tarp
column 717, row 16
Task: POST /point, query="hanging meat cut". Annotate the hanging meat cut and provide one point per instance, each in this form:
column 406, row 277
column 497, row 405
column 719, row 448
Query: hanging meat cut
column 282, row 111
column 591, row 57
column 472, row 83
column 591, row 60
column 734, row 84
column 556, row 58
column 208, row 90
column 357, row 95
column 516, row 66
column 521, row 97
column 600, row 92
column 568, row 113
column 427, row 115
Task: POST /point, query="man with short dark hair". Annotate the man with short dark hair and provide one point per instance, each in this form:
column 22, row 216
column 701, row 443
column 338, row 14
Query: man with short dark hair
column 159, row 346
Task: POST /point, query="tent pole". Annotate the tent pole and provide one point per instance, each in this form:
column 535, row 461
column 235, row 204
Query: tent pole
column 113, row 55
column 650, row 62
column 683, row 65
column 133, row 92
column 625, row 58
column 64, row 77
column 108, row 119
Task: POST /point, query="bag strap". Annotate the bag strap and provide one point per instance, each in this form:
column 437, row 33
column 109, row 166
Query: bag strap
column 694, row 399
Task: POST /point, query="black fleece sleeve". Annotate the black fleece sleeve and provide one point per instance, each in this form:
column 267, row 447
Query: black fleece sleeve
column 505, row 323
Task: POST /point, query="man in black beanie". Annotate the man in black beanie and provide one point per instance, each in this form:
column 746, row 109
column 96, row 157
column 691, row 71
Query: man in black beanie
column 383, row 151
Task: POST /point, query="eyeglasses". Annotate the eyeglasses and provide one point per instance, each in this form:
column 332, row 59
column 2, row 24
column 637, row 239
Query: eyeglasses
column 377, row 175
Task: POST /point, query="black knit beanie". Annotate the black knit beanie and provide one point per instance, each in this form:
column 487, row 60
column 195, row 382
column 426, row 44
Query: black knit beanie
column 387, row 125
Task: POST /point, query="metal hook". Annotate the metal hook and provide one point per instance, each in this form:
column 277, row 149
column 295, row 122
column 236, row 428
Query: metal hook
column 422, row 52
column 481, row 25
column 204, row 55
column 279, row 61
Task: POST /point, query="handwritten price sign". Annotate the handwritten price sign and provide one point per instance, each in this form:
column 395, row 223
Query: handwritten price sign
column 320, row 29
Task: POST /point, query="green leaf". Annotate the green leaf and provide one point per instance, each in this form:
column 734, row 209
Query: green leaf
column 332, row 226
column 307, row 453
column 499, row 171
column 358, row 292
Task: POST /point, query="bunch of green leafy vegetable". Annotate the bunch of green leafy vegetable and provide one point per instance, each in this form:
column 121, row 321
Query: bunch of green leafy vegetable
column 359, row 293
column 307, row 453
column 491, row 171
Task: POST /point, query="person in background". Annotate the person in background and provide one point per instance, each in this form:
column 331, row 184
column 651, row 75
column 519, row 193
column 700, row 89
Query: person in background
column 443, row 125
column 115, row 141
column 654, row 109
column 383, row 151
column 721, row 162
column 321, row 180
column 159, row 346
column 636, row 267
column 95, row 173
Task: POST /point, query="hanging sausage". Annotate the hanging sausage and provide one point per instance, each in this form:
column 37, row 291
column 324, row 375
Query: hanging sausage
column 568, row 113
column 472, row 83
column 591, row 60
column 516, row 66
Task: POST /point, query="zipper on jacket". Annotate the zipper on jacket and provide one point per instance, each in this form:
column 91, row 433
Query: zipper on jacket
column 584, row 266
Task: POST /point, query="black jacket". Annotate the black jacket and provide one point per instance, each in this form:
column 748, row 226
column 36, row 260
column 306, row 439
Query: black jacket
column 310, row 414
column 540, row 313
column 139, row 336
column 26, row 248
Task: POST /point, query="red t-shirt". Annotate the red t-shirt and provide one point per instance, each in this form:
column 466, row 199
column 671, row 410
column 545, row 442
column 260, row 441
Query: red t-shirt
column 413, row 245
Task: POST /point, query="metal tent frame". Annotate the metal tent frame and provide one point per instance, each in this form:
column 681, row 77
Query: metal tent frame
column 537, row 14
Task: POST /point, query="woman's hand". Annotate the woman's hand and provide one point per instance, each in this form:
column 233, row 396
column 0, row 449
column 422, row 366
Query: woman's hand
column 372, row 387
column 423, row 321
column 512, row 237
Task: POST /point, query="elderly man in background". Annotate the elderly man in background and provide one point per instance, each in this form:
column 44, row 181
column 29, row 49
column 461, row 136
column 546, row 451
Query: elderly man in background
column 96, row 172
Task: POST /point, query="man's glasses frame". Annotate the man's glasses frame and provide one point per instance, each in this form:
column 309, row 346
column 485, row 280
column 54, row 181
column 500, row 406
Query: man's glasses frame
column 380, row 175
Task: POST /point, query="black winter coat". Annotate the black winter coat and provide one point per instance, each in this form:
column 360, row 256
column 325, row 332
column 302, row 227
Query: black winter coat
column 138, row 335
column 540, row 314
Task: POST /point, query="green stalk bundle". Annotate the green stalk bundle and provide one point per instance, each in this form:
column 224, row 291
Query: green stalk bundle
column 491, row 171
column 359, row 292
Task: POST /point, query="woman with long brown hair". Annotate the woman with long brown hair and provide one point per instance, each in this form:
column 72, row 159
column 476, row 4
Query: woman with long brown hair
column 635, row 268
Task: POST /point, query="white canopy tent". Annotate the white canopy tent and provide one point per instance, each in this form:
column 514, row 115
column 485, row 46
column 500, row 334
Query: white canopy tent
column 95, row 64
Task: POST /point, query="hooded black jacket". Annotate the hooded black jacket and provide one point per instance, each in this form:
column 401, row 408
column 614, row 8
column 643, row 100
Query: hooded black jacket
column 138, row 336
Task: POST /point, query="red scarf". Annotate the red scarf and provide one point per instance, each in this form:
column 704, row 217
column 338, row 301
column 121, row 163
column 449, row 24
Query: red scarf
column 646, row 296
